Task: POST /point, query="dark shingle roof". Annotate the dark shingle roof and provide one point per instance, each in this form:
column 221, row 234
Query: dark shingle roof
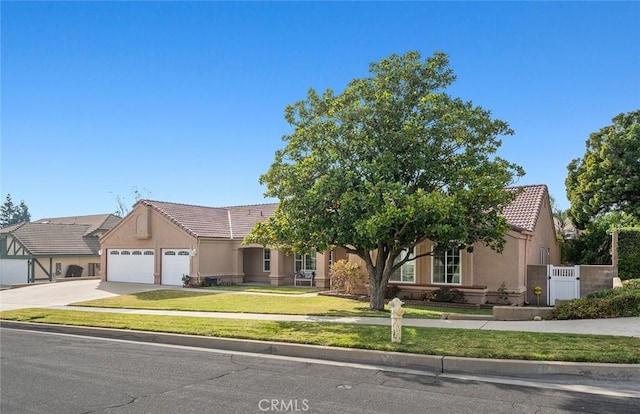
column 523, row 212
column 216, row 222
column 62, row 235
column 95, row 221
column 57, row 239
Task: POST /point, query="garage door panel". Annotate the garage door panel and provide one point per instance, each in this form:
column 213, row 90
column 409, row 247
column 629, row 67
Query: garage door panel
column 175, row 264
column 130, row 265
column 13, row 271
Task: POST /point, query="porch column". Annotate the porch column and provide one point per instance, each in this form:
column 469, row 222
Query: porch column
column 237, row 255
column 469, row 265
column 277, row 275
column 322, row 278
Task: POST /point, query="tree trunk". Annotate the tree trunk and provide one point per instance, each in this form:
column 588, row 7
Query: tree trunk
column 377, row 291
column 378, row 279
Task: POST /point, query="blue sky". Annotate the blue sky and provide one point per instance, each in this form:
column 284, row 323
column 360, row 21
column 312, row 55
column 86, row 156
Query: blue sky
column 185, row 100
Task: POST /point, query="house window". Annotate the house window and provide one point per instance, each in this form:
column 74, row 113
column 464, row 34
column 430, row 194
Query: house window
column 125, row 252
column 94, row 269
column 114, row 252
column 58, row 269
column 446, row 267
column 136, row 253
column 331, row 257
column 148, row 253
column 266, row 260
column 405, row 273
column 183, row 253
column 543, row 256
column 305, row 261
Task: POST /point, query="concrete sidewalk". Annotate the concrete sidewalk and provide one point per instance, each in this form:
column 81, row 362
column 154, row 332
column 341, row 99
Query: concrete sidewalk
column 616, row 326
column 59, row 295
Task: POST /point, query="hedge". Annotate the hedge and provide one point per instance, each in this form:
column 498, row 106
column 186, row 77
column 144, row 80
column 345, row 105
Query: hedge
column 629, row 253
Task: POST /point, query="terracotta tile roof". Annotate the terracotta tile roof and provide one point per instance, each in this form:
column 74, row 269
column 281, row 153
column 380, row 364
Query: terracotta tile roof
column 62, row 235
column 244, row 218
column 523, row 212
column 237, row 222
column 216, row 222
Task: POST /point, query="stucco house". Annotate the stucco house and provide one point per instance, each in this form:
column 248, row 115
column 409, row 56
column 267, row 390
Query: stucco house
column 159, row 242
column 52, row 247
column 480, row 274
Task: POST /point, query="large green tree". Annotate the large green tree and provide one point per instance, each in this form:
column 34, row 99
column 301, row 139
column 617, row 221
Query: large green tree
column 607, row 178
column 12, row 214
column 388, row 163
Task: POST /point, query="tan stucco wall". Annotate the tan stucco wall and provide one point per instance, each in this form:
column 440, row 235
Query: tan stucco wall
column 222, row 258
column 144, row 228
column 65, row 262
column 545, row 238
column 484, row 268
column 492, row 268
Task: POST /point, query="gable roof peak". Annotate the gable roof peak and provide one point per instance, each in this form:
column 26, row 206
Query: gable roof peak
column 524, row 210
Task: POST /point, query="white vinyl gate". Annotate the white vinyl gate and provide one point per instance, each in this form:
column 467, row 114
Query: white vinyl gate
column 564, row 283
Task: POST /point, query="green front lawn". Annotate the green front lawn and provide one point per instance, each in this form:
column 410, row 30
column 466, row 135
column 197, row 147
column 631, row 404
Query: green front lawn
column 285, row 290
column 432, row 341
column 242, row 303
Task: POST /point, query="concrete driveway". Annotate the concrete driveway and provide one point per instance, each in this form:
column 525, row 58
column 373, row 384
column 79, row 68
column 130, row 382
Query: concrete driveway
column 64, row 293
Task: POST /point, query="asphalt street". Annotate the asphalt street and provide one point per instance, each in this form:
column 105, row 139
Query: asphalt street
column 57, row 373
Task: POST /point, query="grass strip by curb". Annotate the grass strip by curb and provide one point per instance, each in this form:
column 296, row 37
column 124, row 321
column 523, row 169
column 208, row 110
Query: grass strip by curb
column 430, row 341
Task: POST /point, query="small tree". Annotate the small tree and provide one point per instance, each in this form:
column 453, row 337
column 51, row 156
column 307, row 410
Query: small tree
column 387, row 164
column 12, row 214
column 593, row 246
column 346, row 276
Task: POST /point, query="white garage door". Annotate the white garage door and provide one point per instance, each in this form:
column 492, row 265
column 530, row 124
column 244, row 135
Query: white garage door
column 130, row 265
column 175, row 264
column 13, row 271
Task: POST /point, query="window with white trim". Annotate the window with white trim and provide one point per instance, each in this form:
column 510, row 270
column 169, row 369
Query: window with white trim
column 305, row 261
column 446, row 266
column 266, row 259
column 405, row 273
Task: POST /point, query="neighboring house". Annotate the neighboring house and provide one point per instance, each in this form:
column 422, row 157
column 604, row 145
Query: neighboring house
column 480, row 274
column 52, row 247
column 566, row 229
column 160, row 242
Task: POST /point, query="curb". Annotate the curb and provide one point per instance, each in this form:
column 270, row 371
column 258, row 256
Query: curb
column 430, row 363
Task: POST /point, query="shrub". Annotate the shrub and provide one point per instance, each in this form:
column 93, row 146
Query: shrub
column 503, row 294
column 629, row 253
column 391, row 291
column 610, row 303
column 631, row 284
column 186, row 280
column 447, row 294
column 346, row 276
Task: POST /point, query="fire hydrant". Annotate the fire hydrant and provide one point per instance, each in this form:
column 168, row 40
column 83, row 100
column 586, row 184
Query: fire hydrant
column 396, row 319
